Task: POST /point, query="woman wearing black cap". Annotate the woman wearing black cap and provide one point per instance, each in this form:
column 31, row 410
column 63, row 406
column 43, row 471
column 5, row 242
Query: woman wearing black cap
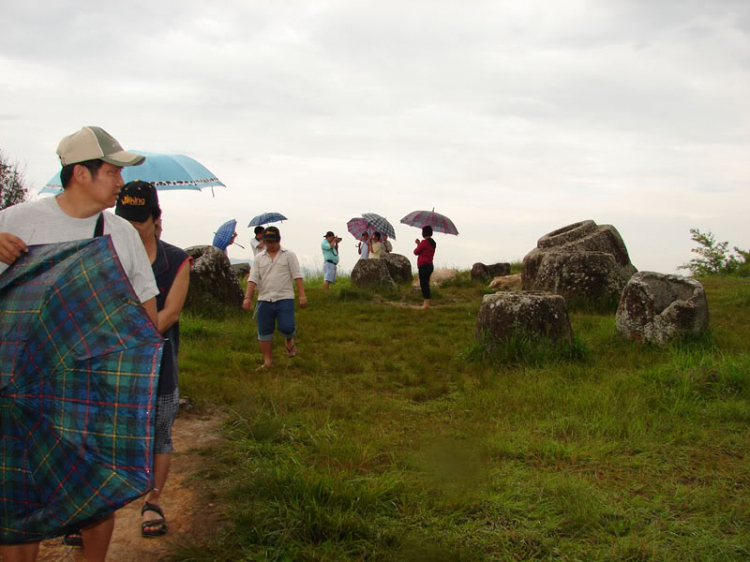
column 425, row 252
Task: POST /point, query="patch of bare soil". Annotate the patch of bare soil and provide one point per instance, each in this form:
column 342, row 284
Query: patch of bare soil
column 187, row 517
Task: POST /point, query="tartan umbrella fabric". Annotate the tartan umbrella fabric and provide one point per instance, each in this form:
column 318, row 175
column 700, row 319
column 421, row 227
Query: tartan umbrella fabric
column 223, row 235
column 165, row 171
column 358, row 226
column 438, row 222
column 380, row 224
column 265, row 218
column 79, row 365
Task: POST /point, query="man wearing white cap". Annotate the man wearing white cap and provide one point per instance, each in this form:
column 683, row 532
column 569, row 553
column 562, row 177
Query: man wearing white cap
column 92, row 161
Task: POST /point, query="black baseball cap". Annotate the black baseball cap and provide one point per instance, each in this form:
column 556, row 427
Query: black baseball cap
column 138, row 201
column 329, row 233
column 272, row 234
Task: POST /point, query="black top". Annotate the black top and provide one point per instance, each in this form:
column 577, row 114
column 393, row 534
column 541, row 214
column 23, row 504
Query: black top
column 169, row 260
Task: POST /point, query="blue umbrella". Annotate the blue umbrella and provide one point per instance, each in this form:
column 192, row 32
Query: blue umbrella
column 165, row 171
column 265, row 218
column 223, row 235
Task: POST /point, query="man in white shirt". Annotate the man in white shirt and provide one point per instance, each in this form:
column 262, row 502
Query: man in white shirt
column 92, row 161
column 257, row 241
column 275, row 271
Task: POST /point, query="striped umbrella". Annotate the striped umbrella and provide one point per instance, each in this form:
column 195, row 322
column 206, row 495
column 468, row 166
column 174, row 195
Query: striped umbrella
column 79, row 367
column 438, row 222
column 380, row 224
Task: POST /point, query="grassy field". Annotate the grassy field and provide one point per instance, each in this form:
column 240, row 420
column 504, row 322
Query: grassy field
column 394, row 435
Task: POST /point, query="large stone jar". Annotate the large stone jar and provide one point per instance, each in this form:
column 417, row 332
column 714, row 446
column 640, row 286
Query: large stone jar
column 657, row 307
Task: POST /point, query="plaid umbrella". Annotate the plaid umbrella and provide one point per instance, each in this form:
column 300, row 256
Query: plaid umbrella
column 438, row 222
column 380, row 224
column 79, row 365
column 359, row 226
column 223, row 235
column 265, row 218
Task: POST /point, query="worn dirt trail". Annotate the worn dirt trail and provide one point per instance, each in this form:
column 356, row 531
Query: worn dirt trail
column 181, row 501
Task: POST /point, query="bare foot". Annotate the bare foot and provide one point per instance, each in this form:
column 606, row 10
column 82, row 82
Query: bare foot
column 263, row 367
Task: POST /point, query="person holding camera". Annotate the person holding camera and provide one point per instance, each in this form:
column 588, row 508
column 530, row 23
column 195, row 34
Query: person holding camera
column 330, row 247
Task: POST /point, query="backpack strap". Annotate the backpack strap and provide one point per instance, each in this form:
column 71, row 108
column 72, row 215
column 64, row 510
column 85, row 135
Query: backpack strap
column 99, row 229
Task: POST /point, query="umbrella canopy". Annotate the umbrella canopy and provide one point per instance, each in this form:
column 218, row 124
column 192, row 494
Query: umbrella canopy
column 79, row 365
column 265, row 218
column 165, row 171
column 359, row 226
column 223, row 235
column 380, row 224
column 438, row 222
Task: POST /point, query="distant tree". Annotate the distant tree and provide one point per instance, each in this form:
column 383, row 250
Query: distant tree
column 12, row 188
column 715, row 258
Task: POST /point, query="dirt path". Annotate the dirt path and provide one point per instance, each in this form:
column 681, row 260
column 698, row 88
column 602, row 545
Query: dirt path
column 181, row 502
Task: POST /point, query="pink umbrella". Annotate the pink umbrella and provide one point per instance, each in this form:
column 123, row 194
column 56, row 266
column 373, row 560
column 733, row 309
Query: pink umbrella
column 359, row 226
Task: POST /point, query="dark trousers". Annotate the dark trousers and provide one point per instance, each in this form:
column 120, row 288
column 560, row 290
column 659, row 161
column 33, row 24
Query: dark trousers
column 424, row 279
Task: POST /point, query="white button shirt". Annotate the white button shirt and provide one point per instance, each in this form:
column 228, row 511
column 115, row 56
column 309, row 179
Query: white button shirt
column 275, row 277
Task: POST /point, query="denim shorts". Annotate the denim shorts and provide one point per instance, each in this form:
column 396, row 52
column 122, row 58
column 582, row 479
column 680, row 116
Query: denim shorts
column 329, row 272
column 166, row 411
column 271, row 314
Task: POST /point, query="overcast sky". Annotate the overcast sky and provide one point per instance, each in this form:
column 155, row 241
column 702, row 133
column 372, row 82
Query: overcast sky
column 512, row 118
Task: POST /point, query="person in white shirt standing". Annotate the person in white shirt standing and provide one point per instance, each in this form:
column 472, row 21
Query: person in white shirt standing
column 275, row 272
column 91, row 177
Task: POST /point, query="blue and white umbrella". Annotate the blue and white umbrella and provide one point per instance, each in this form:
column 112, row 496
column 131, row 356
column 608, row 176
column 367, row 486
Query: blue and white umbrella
column 380, row 224
column 265, row 218
column 165, row 171
column 223, row 235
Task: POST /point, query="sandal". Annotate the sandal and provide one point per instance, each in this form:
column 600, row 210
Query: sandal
column 73, row 538
column 291, row 352
column 160, row 524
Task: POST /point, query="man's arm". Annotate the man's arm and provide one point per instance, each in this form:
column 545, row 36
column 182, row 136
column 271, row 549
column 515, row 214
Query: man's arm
column 150, row 307
column 247, row 302
column 11, row 247
column 301, row 292
column 175, row 300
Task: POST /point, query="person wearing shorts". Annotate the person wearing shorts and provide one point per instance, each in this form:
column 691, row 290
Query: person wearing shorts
column 275, row 272
column 138, row 203
column 330, row 247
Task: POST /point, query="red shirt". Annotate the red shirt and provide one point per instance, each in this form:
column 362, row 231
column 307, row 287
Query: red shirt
column 425, row 253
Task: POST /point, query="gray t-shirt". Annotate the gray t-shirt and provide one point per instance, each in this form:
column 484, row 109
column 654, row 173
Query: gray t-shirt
column 44, row 222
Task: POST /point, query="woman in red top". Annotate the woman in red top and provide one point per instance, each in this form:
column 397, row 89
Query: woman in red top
column 425, row 251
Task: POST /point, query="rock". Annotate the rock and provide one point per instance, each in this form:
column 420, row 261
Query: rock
column 583, row 262
column 438, row 277
column 530, row 315
column 399, row 267
column 372, row 273
column 498, row 269
column 213, row 284
column 479, row 272
column 241, row 270
column 482, row 272
column 656, row 307
column 506, row 282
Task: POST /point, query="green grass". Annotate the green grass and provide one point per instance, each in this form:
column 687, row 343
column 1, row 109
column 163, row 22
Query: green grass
column 396, row 435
